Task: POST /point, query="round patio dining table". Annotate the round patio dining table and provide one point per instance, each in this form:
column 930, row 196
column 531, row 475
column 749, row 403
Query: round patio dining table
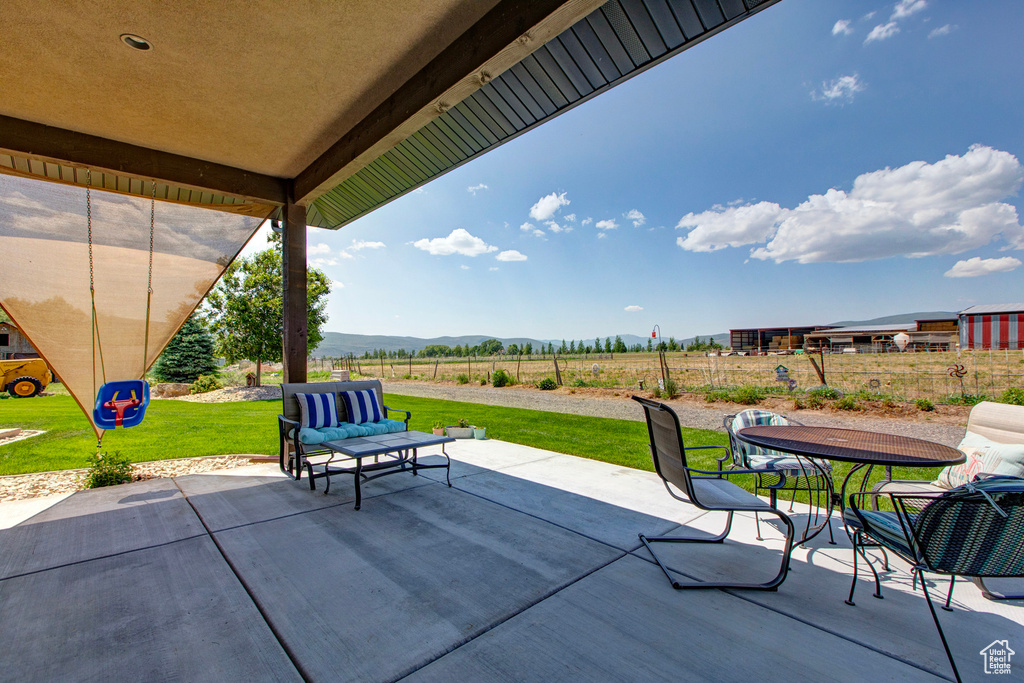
column 863, row 448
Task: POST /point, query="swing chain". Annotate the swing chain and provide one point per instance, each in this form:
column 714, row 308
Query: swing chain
column 88, row 213
column 152, row 225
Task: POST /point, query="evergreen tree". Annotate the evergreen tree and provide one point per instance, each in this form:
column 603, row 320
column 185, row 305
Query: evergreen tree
column 528, row 349
column 619, row 346
column 188, row 355
column 607, row 345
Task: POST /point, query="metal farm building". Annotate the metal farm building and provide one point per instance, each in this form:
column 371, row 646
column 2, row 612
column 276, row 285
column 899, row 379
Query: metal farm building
column 992, row 327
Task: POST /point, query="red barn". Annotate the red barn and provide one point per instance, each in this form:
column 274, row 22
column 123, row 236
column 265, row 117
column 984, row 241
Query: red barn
column 992, row 327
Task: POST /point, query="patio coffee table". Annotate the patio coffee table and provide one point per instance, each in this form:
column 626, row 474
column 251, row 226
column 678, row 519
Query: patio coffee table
column 864, row 449
column 398, row 448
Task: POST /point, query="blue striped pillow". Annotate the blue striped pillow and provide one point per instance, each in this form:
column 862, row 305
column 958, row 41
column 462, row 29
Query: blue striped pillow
column 318, row 410
column 362, row 406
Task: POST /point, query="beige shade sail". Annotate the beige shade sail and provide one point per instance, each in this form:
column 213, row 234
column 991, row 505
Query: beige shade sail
column 45, row 275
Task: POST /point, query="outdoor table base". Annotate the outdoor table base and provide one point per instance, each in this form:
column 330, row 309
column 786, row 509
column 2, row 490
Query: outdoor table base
column 399, row 449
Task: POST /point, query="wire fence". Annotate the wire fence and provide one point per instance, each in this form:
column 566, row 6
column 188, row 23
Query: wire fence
column 936, row 376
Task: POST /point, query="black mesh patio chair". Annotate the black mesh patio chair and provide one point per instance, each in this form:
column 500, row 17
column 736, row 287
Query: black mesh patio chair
column 972, row 531
column 708, row 490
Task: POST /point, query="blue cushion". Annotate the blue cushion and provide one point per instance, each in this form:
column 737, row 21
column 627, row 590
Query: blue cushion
column 347, row 430
column 318, row 410
column 882, row 525
column 362, row 406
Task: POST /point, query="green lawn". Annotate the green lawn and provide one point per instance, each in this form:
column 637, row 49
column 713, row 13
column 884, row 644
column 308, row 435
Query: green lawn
column 179, row 429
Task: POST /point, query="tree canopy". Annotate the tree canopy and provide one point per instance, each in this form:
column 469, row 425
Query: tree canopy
column 188, row 355
column 245, row 309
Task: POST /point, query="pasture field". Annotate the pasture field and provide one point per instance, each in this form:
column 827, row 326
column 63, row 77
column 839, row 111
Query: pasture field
column 901, row 376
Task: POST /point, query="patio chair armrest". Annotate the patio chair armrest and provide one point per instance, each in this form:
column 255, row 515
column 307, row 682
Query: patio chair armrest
column 283, row 426
column 408, row 415
column 727, row 473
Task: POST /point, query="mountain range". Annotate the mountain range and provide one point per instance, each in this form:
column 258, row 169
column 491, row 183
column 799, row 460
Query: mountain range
column 337, row 344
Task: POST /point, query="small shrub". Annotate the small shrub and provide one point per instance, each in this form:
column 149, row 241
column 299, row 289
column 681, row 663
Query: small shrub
column 1013, row 396
column 716, row 395
column 825, row 392
column 966, row 399
column 888, row 402
column 671, row 390
column 580, row 382
column 747, row 395
column 657, row 392
column 546, row 384
column 797, row 403
column 206, row 383
column 483, row 381
column 847, row 403
column 463, row 423
column 815, row 401
column 407, row 376
column 462, row 379
column 108, row 470
column 924, row 405
column 500, row 378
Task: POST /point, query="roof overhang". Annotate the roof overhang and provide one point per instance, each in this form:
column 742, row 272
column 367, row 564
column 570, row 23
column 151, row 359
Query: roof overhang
column 245, row 105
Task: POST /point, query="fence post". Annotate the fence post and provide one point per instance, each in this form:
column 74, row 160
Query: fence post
column 435, row 368
column 519, row 360
column 558, row 375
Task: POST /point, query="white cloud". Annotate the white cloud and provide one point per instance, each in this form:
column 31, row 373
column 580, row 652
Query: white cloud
column 882, row 32
column 476, row 188
column 337, row 285
column 571, row 217
column 532, row 229
column 733, row 227
column 635, row 216
column 361, row 244
column 839, row 90
column 458, row 242
column 321, row 262
column 942, row 31
column 842, row 26
column 546, row 206
column 973, row 267
column 919, row 209
column 556, row 228
column 493, row 268
column 633, row 309
column 464, row 267
column 608, row 224
column 320, row 248
column 587, row 221
column 904, row 8
column 510, row 255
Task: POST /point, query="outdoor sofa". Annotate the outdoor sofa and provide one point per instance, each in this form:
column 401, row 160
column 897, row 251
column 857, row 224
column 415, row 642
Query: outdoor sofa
column 301, row 440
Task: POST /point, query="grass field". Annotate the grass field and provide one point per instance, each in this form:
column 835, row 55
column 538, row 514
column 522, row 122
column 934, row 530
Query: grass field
column 902, row 376
column 178, row 429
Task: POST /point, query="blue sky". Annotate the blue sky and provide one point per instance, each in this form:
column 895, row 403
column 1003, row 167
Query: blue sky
column 820, row 161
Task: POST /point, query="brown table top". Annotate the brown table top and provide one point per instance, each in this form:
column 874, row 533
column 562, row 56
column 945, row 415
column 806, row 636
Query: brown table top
column 852, row 445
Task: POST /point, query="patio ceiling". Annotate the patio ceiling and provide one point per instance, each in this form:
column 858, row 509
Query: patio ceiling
column 341, row 107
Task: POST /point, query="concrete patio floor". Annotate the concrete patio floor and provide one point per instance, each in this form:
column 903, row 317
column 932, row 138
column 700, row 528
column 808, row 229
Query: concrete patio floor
column 528, row 568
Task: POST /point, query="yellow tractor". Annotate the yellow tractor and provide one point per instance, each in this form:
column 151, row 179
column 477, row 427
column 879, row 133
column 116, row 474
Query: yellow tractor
column 24, row 377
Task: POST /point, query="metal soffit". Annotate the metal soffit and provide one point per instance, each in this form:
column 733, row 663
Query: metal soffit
column 615, row 42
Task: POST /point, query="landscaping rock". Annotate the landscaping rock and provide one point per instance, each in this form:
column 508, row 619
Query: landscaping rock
column 171, row 390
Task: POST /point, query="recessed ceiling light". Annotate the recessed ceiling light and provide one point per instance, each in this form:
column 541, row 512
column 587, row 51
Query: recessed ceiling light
column 135, row 42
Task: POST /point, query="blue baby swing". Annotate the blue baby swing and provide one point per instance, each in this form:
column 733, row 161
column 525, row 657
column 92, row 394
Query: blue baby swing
column 120, row 403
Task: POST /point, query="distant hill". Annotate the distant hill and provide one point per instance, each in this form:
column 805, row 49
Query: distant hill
column 899, row 318
column 337, row 344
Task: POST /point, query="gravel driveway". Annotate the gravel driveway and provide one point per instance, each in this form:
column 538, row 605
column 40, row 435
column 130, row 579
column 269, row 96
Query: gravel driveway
column 692, row 413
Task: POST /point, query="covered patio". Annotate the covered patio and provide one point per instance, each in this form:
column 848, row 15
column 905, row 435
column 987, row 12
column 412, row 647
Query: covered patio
column 528, row 568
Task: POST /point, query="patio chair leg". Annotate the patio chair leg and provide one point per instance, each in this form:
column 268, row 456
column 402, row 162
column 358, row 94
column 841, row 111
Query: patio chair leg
column 771, row 585
column 853, row 584
column 942, row 636
column 949, row 596
column 992, row 595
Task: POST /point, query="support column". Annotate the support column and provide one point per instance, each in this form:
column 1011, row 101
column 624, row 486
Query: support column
column 295, row 332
